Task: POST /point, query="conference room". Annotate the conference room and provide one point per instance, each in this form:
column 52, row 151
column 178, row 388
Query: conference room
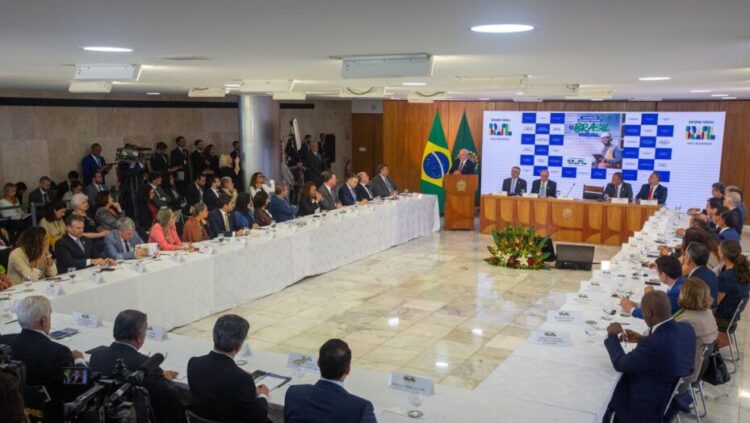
column 374, row 212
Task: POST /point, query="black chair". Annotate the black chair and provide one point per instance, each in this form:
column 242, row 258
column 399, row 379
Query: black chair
column 698, row 384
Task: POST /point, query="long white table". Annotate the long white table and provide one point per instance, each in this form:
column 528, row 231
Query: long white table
column 176, row 293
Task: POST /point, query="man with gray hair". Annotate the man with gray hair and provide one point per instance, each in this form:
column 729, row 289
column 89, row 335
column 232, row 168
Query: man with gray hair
column 463, row 165
column 121, row 244
column 733, row 201
column 223, row 391
column 129, row 331
column 43, row 357
column 363, row 189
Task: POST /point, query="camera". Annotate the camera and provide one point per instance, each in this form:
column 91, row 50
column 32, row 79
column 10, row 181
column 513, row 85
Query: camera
column 13, row 367
column 131, row 153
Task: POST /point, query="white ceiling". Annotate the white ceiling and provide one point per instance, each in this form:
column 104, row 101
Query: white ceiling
column 597, row 43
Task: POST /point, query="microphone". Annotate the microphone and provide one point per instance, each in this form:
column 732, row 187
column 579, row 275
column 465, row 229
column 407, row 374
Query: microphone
column 571, row 189
column 148, row 367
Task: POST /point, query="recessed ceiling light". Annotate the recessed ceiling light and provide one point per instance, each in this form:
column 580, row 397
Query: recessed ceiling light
column 233, row 85
column 654, row 78
column 719, row 95
column 597, row 99
column 729, row 98
column 700, row 91
column 104, row 49
column 441, row 364
column 153, row 93
column 477, row 331
column 414, row 84
column 519, row 93
column 501, row 28
column 393, row 321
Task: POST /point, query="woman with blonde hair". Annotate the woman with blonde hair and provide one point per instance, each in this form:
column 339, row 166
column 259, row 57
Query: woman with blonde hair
column 196, row 228
column 164, row 231
column 31, row 260
column 695, row 308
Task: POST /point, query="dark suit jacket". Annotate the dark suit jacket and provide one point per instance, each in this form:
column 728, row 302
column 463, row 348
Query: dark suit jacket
column 626, row 191
column 650, row 371
column 193, row 194
column 328, row 199
column 551, row 187
column 35, row 197
column 469, row 167
column 325, row 402
column 346, row 197
column 210, row 199
column 216, row 223
column 729, row 234
column 222, row 391
column 306, row 206
column 44, row 360
column 197, row 164
column 69, row 254
column 315, row 166
column 281, row 209
column 738, row 218
column 167, row 398
column 660, row 194
column 379, row 188
column 709, row 277
column 89, row 167
column 520, row 186
column 160, row 163
column 363, row 193
column 181, row 158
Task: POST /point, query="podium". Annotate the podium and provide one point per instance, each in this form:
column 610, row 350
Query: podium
column 460, row 191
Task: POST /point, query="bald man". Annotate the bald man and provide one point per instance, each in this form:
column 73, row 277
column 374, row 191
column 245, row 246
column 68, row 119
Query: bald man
column 649, row 373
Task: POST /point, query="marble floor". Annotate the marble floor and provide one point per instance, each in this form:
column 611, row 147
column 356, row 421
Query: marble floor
column 431, row 307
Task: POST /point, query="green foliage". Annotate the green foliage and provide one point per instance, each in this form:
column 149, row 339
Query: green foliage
column 517, row 247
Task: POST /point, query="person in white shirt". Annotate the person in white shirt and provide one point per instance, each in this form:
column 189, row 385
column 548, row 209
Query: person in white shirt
column 258, row 182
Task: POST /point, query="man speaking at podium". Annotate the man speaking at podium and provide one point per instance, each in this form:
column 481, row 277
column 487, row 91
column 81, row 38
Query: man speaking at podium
column 619, row 189
column 464, row 165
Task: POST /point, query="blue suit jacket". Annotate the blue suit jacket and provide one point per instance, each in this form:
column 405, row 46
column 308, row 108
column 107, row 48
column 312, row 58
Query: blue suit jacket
column 216, row 223
column 241, row 220
column 469, row 167
column 660, row 194
column 709, row 277
column 89, row 166
column 729, row 234
column 325, row 402
column 347, row 196
column 650, row 371
column 114, row 249
column 673, row 293
column 281, row 210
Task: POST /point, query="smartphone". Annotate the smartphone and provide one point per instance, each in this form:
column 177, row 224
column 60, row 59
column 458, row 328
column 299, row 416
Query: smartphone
column 62, row 333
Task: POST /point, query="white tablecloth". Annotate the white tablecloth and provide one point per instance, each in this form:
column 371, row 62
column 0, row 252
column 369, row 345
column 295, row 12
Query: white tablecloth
column 174, row 294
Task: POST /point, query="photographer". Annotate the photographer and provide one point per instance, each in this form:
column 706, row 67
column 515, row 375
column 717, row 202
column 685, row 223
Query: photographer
column 43, row 357
column 168, row 400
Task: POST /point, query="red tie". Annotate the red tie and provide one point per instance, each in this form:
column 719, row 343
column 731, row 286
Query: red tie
column 651, row 193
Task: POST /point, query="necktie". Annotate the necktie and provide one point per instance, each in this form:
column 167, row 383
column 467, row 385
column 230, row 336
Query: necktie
column 368, row 191
column 617, row 195
column 127, row 245
column 461, row 166
column 226, row 221
column 80, row 245
column 543, row 190
column 387, row 185
column 354, row 196
column 651, row 193
column 512, row 185
column 98, row 163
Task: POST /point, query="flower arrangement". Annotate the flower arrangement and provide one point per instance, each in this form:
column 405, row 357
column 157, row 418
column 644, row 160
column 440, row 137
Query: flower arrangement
column 517, row 247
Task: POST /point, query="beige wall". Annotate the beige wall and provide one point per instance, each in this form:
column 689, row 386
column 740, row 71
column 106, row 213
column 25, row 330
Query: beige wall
column 328, row 116
column 37, row 141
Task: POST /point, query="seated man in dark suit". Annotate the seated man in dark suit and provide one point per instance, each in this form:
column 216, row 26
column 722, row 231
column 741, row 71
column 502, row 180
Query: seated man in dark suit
column 211, row 193
column 619, row 189
column 120, row 244
column 694, row 260
column 279, row 205
column 223, row 391
column 382, row 185
column 348, row 193
column 74, row 250
column 44, row 194
column 167, row 398
column 328, row 197
column 64, row 186
column 43, row 357
column 653, row 190
column 514, row 185
column 544, row 186
column 328, row 400
column 194, row 190
column 463, row 165
column 742, row 209
column 652, row 369
column 733, row 201
column 726, row 226
column 219, row 218
column 363, row 191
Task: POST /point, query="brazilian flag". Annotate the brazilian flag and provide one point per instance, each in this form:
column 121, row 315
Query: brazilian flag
column 436, row 161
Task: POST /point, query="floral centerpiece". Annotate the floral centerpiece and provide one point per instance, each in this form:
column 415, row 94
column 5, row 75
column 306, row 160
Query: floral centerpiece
column 517, row 247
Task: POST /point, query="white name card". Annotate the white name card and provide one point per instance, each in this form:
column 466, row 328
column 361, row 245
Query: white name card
column 581, row 299
column 502, row 193
column 550, row 338
column 412, row 384
column 53, row 289
column 529, row 195
column 240, row 241
column 85, row 319
column 299, row 360
column 649, row 202
column 156, row 333
column 208, row 250
column 619, row 200
column 138, row 267
column 594, row 287
column 96, row 278
column 566, row 317
column 178, row 258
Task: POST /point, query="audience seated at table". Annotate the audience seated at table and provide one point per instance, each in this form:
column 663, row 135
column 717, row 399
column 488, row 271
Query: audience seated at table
column 43, row 357
column 129, row 332
column 670, row 274
column 175, row 201
column 650, row 372
column 242, row 215
column 725, row 223
column 54, row 221
column 44, row 193
column 31, row 259
column 347, row 192
column 544, row 186
column 223, row 391
column 258, row 183
column 164, row 231
column 196, row 227
column 107, row 211
column 363, row 189
column 121, row 244
column 619, row 189
column 76, row 251
column 211, row 193
column 695, row 308
column 80, row 206
column 732, row 201
column 308, row 202
column 694, row 261
column 260, row 206
column 653, row 190
column 734, row 286
column 279, row 206
column 328, row 400
column 382, row 185
column 514, row 185
column 226, row 186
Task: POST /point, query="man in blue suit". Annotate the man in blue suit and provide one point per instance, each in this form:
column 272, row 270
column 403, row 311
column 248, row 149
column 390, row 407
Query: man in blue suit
column 120, row 244
column 726, row 227
column 619, row 189
column 653, row 190
column 669, row 269
column 328, row 401
column 463, row 165
column 694, row 260
column 94, row 162
column 348, row 193
column 219, row 218
column 651, row 371
column 279, row 207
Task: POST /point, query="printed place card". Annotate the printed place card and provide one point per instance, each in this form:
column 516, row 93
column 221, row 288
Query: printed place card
column 138, row 267
column 554, row 338
column 304, row 361
column 412, row 384
column 96, row 278
column 565, row 316
column 85, row 319
column 156, row 333
column 53, row 289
